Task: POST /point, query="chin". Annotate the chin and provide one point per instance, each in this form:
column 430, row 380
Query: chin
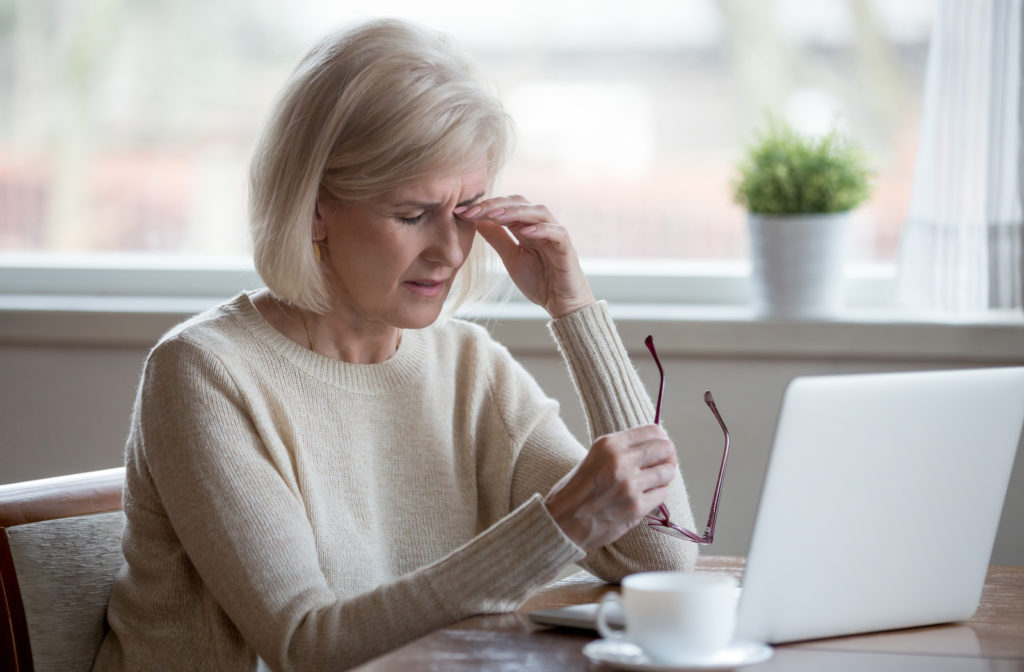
column 419, row 318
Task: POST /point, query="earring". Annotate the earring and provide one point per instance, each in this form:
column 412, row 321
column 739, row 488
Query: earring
column 316, row 250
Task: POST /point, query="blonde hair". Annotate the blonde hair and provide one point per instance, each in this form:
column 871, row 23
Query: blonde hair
column 366, row 111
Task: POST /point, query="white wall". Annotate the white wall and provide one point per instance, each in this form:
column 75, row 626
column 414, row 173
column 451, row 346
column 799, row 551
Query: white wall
column 748, row 393
column 68, row 381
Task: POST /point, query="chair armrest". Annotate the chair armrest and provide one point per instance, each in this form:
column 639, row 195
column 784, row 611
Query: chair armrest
column 61, row 497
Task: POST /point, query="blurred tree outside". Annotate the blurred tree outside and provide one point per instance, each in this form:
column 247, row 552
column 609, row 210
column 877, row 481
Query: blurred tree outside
column 127, row 126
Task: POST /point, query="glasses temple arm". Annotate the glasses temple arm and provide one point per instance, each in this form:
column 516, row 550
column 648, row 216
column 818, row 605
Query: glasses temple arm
column 709, row 531
column 649, row 342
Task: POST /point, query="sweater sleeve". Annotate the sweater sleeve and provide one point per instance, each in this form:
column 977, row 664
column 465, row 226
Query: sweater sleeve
column 613, row 399
column 243, row 528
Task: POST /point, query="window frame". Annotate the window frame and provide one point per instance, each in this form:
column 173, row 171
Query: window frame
column 700, row 314
column 634, row 281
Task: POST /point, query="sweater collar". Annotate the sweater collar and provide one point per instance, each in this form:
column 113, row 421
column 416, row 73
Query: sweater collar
column 405, row 366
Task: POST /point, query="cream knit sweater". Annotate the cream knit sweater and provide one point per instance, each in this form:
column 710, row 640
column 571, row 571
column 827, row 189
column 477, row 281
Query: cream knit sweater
column 290, row 508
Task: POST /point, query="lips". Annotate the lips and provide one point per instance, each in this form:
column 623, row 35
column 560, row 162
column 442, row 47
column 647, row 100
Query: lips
column 425, row 287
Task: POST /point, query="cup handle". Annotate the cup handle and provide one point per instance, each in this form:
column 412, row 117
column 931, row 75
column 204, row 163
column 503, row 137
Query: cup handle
column 603, row 628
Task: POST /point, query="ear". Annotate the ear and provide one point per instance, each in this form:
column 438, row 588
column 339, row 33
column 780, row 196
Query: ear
column 319, row 228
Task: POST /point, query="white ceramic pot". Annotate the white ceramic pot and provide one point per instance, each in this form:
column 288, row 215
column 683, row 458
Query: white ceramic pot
column 796, row 264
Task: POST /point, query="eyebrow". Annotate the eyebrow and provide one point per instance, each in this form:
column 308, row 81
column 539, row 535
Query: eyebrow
column 429, row 205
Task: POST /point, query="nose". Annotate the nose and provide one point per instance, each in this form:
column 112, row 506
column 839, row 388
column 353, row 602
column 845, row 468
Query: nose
column 448, row 243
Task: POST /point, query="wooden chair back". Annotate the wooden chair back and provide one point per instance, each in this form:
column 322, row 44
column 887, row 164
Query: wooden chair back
column 60, row 549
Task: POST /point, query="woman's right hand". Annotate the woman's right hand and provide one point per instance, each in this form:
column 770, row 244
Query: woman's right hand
column 624, row 477
column 536, row 251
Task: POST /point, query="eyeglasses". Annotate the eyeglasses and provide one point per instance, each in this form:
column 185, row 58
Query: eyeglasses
column 660, row 521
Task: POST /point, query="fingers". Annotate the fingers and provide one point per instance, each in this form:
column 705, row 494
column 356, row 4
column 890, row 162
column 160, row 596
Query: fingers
column 643, row 458
column 624, row 477
column 525, row 220
column 486, row 207
column 499, row 238
column 535, row 249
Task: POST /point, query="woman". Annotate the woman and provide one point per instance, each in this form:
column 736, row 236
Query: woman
column 322, row 470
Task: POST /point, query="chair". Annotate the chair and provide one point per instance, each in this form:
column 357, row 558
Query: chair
column 60, row 549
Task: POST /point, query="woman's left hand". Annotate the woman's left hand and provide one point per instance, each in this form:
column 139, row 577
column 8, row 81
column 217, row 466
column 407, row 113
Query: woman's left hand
column 536, row 251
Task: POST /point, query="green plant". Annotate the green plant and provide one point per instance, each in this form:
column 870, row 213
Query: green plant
column 784, row 172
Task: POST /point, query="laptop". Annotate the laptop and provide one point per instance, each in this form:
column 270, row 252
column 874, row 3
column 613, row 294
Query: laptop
column 879, row 506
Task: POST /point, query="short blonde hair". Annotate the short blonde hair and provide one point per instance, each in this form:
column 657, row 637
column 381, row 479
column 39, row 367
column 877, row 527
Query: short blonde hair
column 367, row 110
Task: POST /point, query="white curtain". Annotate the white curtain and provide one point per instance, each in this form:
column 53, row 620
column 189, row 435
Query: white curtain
column 962, row 247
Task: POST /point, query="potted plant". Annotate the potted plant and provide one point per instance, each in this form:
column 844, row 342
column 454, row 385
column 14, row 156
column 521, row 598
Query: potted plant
column 799, row 192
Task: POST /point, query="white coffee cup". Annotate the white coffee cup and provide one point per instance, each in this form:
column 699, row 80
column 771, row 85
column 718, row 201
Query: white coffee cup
column 675, row 617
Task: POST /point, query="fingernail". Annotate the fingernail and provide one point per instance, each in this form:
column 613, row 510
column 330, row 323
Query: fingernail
column 460, row 209
column 473, row 212
column 498, row 212
column 528, row 229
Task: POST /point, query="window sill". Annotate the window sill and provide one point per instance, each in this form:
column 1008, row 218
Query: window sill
column 695, row 309
column 689, row 330
column 735, row 331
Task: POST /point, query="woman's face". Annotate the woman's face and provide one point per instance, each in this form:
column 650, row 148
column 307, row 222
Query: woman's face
column 391, row 261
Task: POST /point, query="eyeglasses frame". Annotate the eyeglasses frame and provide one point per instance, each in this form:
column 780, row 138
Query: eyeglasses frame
column 661, row 522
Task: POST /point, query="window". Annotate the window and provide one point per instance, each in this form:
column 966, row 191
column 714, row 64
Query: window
column 127, row 127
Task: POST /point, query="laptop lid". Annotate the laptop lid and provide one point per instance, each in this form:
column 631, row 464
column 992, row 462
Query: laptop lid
column 880, row 502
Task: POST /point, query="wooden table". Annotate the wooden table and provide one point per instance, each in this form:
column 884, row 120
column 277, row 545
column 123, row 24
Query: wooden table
column 992, row 640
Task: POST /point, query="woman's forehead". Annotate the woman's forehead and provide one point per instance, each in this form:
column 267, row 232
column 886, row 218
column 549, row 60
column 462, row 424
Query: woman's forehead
column 465, row 182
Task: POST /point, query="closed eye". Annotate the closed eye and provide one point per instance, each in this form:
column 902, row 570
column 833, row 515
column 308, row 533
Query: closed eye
column 411, row 221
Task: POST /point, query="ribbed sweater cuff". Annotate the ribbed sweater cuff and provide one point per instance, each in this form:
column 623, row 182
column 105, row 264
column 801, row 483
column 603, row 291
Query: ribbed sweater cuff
column 499, row 569
column 608, row 385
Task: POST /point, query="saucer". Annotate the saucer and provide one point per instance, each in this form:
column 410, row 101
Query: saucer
column 626, row 656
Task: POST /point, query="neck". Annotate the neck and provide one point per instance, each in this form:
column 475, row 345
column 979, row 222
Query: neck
column 331, row 335
column 335, row 337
